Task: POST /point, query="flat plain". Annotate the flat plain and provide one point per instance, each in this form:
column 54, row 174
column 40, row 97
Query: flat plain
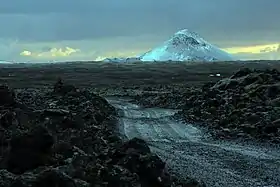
column 112, row 75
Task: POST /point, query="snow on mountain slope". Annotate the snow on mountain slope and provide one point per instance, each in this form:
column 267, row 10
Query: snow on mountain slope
column 186, row 45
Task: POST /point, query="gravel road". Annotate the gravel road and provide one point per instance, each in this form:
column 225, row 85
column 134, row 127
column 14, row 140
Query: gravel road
column 190, row 152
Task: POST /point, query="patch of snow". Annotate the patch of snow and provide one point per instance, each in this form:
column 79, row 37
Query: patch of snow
column 216, row 75
column 186, row 45
column 5, row 62
column 122, row 60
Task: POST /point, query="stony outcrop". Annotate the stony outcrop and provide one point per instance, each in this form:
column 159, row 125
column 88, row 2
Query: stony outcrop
column 65, row 136
column 245, row 105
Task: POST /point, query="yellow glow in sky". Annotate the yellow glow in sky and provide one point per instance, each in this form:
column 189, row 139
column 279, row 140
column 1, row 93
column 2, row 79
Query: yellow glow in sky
column 68, row 51
column 26, row 53
column 253, row 49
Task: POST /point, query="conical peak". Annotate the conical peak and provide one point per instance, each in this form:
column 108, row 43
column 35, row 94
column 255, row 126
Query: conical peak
column 185, row 45
column 187, row 32
column 186, row 37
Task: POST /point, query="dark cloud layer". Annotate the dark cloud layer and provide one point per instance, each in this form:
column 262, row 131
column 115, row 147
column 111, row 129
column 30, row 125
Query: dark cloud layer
column 57, row 20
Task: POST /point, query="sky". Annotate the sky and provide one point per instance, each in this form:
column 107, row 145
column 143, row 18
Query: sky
column 90, row 29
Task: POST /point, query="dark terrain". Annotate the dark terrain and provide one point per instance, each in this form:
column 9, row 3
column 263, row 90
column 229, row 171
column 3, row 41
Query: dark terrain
column 109, row 75
column 67, row 135
column 246, row 105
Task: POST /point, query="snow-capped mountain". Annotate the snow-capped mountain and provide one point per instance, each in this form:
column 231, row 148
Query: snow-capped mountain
column 186, row 45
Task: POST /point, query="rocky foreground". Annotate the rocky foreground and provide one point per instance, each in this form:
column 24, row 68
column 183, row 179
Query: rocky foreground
column 245, row 105
column 66, row 137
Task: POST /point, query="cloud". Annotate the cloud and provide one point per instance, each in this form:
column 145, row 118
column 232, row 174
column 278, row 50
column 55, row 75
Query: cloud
column 26, row 53
column 52, row 20
column 51, row 53
column 93, row 26
column 262, row 52
column 278, row 49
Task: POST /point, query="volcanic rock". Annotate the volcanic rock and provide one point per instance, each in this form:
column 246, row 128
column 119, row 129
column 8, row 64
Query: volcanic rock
column 66, row 136
column 244, row 105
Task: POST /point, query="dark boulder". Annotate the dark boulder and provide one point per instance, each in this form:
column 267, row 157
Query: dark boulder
column 30, row 150
column 135, row 155
column 63, row 89
column 7, row 96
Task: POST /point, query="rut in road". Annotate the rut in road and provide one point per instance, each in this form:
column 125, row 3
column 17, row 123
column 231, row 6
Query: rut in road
column 188, row 152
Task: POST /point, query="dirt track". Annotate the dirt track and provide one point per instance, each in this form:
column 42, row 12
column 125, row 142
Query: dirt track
column 189, row 151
